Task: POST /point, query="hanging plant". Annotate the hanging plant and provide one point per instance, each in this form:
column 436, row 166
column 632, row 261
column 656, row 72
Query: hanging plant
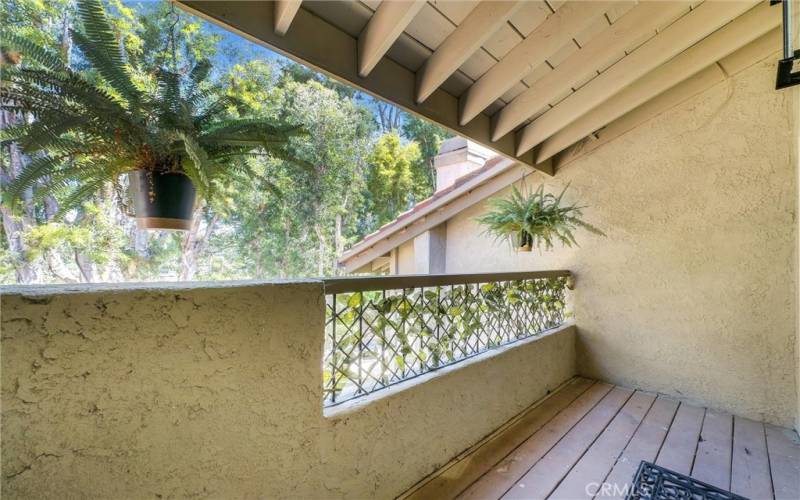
column 174, row 139
column 534, row 219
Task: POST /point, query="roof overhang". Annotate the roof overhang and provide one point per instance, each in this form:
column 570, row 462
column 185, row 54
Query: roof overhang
column 314, row 42
column 527, row 79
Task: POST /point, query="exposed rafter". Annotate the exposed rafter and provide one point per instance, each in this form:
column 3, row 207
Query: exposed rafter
column 474, row 31
column 422, row 74
column 736, row 34
column 285, row 11
column 677, row 37
column 319, row 44
column 755, row 51
column 712, row 75
column 382, row 31
column 632, row 26
column 556, row 31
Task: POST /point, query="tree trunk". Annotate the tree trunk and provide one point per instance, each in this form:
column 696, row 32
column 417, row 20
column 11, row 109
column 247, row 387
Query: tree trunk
column 338, row 244
column 195, row 243
column 85, row 267
column 15, row 226
column 323, row 250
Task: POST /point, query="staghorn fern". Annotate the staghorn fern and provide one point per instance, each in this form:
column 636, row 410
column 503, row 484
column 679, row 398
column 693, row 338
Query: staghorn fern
column 535, row 218
column 85, row 134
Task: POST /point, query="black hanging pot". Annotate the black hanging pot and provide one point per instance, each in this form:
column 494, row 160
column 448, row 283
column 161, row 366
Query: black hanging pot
column 162, row 200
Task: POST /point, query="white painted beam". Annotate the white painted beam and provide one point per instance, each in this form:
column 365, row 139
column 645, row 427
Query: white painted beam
column 474, row 31
column 674, row 39
column 551, row 35
column 382, row 31
column 635, row 24
column 712, row 75
column 285, row 11
column 736, row 34
column 766, row 46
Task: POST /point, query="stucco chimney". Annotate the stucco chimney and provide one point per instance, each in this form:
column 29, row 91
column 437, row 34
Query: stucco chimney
column 458, row 157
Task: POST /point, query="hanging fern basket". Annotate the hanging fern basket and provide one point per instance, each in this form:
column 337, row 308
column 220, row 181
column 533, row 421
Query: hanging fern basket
column 162, row 200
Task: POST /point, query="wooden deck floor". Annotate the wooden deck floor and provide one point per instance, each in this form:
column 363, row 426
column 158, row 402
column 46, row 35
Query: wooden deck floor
column 586, row 441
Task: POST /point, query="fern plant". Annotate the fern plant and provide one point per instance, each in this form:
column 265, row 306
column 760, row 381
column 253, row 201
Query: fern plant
column 83, row 130
column 534, row 219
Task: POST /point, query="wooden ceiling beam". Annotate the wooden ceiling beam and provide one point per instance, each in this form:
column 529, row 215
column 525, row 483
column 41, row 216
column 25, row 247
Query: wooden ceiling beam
column 758, row 50
column 712, row 75
column 683, row 33
column 320, row 45
column 382, row 30
column 731, row 37
column 474, row 31
column 632, row 26
column 558, row 29
column 285, row 10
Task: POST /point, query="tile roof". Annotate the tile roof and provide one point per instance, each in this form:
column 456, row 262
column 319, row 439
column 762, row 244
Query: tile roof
column 405, row 217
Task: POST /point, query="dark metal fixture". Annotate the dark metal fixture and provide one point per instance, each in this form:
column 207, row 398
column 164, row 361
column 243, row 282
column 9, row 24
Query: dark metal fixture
column 787, row 77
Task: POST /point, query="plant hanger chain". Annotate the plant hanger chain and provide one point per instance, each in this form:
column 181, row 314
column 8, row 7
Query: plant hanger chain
column 171, row 40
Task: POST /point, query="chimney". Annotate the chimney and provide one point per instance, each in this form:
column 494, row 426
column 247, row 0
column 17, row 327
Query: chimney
column 458, row 157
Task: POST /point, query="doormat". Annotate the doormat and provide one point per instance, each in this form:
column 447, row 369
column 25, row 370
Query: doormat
column 653, row 482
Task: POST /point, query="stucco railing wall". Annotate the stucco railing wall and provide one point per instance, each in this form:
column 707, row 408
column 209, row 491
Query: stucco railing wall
column 217, row 391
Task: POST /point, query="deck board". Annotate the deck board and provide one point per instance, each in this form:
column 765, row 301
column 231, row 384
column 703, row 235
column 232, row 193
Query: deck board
column 598, row 460
column 644, row 445
column 783, row 447
column 750, row 474
column 712, row 463
column 503, row 475
column 465, row 471
column 595, row 434
column 680, row 445
column 544, row 476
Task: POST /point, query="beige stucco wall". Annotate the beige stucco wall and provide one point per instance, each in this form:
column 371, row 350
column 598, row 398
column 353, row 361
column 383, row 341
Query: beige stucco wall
column 406, row 263
column 693, row 291
column 215, row 391
column 173, row 393
column 796, row 106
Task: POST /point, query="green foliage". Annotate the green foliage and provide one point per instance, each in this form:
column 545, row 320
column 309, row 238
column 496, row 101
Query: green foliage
column 429, row 137
column 281, row 213
column 93, row 238
column 375, row 339
column 290, row 227
column 90, row 132
column 391, row 181
column 534, row 218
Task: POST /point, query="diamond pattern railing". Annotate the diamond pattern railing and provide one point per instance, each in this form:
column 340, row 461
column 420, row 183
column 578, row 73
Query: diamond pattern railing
column 381, row 331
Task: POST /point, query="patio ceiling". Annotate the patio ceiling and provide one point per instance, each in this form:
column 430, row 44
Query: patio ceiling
column 527, row 78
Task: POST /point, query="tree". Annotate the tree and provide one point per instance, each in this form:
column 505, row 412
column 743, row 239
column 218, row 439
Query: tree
column 429, row 136
column 87, row 133
column 48, row 24
column 284, row 221
column 392, row 181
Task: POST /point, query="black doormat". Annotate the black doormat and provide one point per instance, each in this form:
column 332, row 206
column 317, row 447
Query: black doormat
column 657, row 483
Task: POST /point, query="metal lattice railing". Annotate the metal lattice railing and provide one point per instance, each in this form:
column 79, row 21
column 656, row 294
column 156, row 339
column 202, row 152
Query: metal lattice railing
column 381, row 331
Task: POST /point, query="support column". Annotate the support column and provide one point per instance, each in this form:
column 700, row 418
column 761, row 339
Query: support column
column 430, row 250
